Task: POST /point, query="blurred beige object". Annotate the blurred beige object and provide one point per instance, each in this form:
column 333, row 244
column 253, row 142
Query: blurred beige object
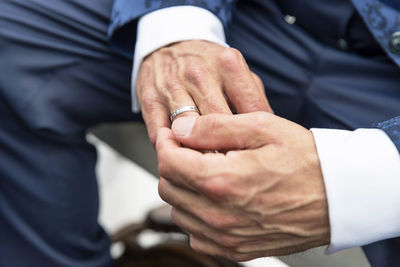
column 127, row 191
column 130, row 140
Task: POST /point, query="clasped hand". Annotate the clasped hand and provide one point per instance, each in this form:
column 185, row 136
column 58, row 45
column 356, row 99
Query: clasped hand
column 265, row 196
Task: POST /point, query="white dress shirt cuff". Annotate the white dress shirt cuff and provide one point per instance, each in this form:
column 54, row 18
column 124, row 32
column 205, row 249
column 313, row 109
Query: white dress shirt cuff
column 361, row 172
column 170, row 25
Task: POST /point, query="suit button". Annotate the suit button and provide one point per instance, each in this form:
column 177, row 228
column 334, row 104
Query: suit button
column 342, row 44
column 290, row 19
column 395, row 43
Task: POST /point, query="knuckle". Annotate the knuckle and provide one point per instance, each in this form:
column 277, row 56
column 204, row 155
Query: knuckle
column 222, row 222
column 149, row 98
column 175, row 217
column 257, row 78
column 196, row 74
column 215, row 188
column 173, row 86
column 153, row 138
column 222, row 188
column 228, row 242
column 194, row 245
column 161, row 191
column 215, row 221
column 162, row 165
column 264, row 121
column 261, row 119
column 230, row 57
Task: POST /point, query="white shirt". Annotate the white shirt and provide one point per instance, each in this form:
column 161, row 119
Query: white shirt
column 361, row 168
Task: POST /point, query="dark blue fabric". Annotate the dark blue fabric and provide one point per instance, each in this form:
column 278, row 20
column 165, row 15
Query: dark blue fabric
column 381, row 17
column 58, row 77
column 308, row 81
column 125, row 14
column 392, row 3
column 48, row 198
column 384, row 253
column 350, row 27
column 382, row 20
column 392, row 128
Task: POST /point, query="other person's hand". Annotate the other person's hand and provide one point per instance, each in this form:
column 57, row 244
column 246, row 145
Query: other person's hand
column 214, row 78
column 264, row 197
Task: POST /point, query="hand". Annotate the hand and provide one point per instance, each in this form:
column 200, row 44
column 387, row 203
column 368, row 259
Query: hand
column 264, row 197
column 196, row 73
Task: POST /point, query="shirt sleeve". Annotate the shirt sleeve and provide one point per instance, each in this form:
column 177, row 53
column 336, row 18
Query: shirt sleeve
column 361, row 171
column 125, row 15
column 169, row 25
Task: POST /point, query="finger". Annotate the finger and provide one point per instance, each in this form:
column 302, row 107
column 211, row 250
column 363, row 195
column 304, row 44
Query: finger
column 260, row 86
column 263, row 244
column 208, row 247
column 223, row 132
column 173, row 195
column 205, row 90
column 197, row 227
column 154, row 111
column 176, row 96
column 185, row 166
column 185, row 199
column 239, row 85
column 200, row 206
column 229, row 237
column 155, row 117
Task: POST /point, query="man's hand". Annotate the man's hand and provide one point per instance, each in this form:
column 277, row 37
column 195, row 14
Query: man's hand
column 196, row 73
column 264, row 197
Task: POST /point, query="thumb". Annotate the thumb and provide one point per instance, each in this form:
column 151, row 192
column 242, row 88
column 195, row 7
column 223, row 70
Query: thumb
column 222, row 131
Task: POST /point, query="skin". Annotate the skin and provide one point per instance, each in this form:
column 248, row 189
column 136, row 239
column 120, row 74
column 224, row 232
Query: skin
column 264, row 197
column 212, row 77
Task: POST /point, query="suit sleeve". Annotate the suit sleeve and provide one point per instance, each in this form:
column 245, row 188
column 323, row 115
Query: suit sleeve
column 125, row 15
column 392, row 129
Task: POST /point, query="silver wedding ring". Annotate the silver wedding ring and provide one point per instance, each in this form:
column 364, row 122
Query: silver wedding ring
column 181, row 110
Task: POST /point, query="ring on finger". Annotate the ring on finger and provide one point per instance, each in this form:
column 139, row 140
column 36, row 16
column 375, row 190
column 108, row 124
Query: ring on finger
column 181, row 110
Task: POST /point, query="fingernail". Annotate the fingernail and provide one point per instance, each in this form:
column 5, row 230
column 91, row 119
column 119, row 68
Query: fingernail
column 183, row 126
